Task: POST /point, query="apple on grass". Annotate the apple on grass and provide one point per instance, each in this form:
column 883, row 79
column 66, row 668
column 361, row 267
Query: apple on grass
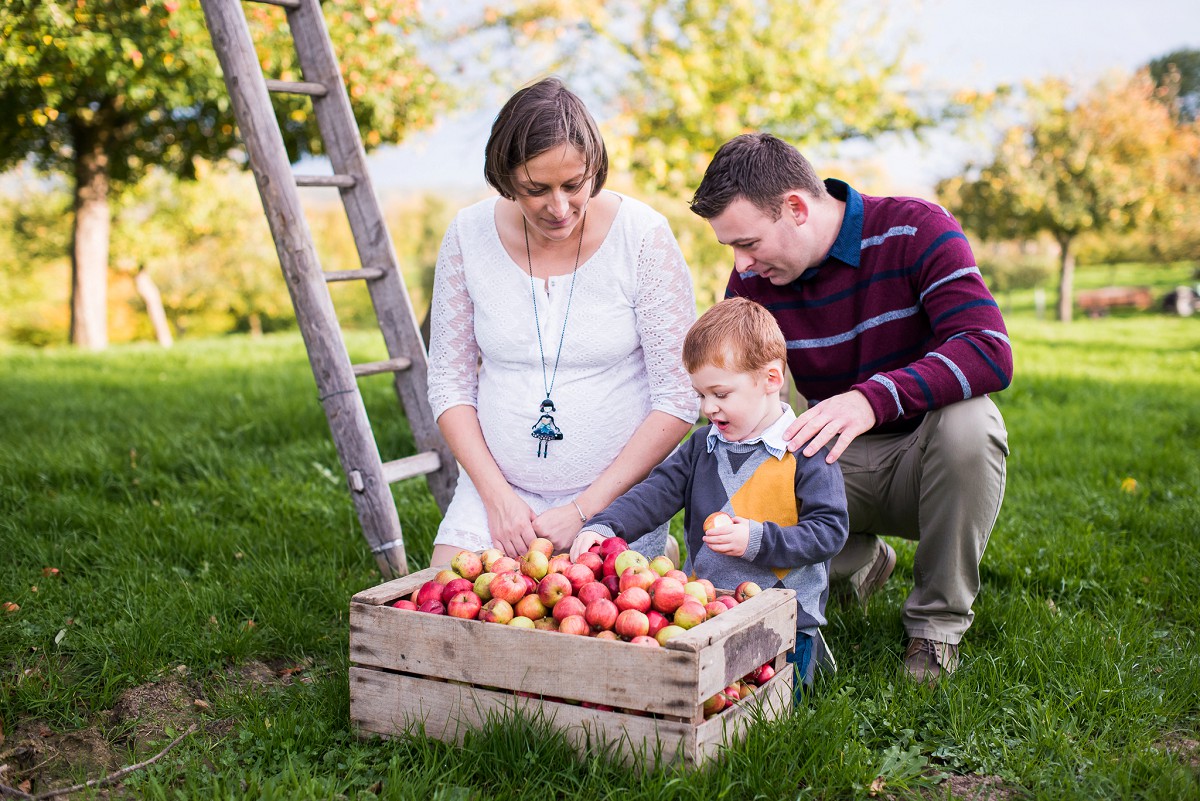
column 464, row 604
column 467, row 564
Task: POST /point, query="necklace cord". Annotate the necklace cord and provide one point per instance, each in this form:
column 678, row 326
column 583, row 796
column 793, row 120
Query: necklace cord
column 549, row 387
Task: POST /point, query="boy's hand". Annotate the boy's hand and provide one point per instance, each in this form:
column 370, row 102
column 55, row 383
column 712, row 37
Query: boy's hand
column 729, row 540
column 585, row 540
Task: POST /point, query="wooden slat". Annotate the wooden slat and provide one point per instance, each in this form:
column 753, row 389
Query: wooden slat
column 309, row 88
column 340, row 181
column 397, row 588
column 387, row 366
column 365, row 274
column 411, row 466
column 722, row 625
column 284, row 3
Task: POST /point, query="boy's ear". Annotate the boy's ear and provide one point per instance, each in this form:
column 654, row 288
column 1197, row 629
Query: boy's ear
column 774, row 377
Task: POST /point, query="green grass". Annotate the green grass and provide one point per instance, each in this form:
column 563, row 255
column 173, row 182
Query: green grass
column 183, row 493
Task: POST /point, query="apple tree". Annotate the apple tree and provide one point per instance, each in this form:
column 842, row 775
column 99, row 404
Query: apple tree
column 1114, row 161
column 101, row 90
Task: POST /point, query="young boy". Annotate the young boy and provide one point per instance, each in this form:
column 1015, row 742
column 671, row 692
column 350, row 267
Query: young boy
column 788, row 510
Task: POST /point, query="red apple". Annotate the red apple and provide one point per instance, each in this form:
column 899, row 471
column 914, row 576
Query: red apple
column 612, row 545
column 496, row 610
column 546, row 623
column 657, row 622
column 713, row 705
column 666, row 594
column 612, row 582
column 601, row 614
column 667, row 632
column 559, row 563
column 631, row 623
column 404, row 603
column 553, row 588
column 433, row 607
column 690, row 614
column 697, row 591
column 728, row 600
column 593, row 591
column 678, row 575
column 530, row 606
column 638, row 577
column 747, row 589
column 429, row 591
column 605, row 634
column 542, row 546
column 717, row 520
column 467, row 564
column 732, row 693
column 714, row 608
column 465, row 604
column 508, row 587
column 579, row 575
column 609, row 566
column 710, row 592
column 568, row 606
column 456, row 586
column 531, row 584
column 634, row 598
column 482, row 586
column 488, row 557
column 505, row 564
column 534, row 564
column 593, row 561
column 763, row 674
column 661, row 564
column 574, row 624
column 643, row 639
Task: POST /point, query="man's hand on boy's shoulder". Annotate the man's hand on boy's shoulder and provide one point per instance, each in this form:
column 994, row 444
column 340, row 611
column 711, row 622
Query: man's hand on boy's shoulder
column 845, row 416
column 730, row 540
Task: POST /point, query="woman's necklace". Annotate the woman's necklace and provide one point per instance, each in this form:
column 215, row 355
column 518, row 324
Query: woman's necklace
column 544, row 430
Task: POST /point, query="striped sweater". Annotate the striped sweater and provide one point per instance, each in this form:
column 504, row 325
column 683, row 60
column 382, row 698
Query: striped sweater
column 898, row 311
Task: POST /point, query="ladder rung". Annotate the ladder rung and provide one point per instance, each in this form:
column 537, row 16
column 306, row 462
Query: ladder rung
column 284, row 3
column 341, row 181
column 409, row 466
column 365, row 274
column 297, row 88
column 395, row 365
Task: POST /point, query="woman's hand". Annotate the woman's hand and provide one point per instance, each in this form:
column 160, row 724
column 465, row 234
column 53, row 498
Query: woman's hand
column 510, row 521
column 560, row 525
column 583, row 542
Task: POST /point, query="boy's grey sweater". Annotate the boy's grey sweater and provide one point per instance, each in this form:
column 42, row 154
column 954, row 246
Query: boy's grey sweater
column 791, row 543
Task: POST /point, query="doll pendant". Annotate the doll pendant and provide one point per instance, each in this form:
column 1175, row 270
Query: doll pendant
column 544, row 430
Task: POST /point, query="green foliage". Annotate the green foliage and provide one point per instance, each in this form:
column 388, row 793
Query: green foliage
column 1177, row 75
column 182, row 493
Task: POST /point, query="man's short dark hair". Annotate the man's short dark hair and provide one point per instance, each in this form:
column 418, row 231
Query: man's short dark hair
column 758, row 167
column 536, row 119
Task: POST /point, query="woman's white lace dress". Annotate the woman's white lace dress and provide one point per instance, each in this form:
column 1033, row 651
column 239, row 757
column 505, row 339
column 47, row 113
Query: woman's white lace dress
column 631, row 307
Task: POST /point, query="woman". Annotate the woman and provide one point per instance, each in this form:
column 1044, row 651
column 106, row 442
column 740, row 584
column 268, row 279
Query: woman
column 559, row 310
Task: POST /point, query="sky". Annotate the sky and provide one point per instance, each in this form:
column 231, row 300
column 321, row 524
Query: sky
column 960, row 42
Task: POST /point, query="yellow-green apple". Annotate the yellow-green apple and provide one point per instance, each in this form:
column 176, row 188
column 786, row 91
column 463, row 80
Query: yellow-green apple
column 505, row 564
column 574, row 624
column 405, row 603
column 714, row 608
column 645, row 639
column 530, row 606
column 606, row 634
column 433, row 607
column 631, row 623
column 747, row 589
column 534, row 564
column 612, row 545
column 714, row 704
column 429, row 591
column 627, row 559
column 464, row 604
column 559, row 563
column 445, row 576
column 467, row 564
column 601, row 614
column 546, row 623
column 567, row 607
column 508, row 587
column 666, row 594
column 456, row 586
column 667, row 632
column 710, row 592
column 657, row 621
column 717, row 520
column 488, row 557
column 553, row 588
column 496, row 610
column 745, row 689
column 481, row 586
column 634, row 598
column 661, row 564
column 579, row 575
column 543, row 546
column 690, row 614
column 593, row 591
column 593, row 561
column 521, row 622
column 697, row 591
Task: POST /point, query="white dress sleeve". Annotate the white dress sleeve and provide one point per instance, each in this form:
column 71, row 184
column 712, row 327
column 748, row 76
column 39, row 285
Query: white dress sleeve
column 666, row 309
column 453, row 351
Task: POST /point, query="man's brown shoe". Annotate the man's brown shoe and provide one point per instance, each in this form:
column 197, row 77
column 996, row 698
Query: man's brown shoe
column 870, row 578
column 926, row 661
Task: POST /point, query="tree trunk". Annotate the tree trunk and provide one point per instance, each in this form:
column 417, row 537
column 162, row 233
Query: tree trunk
column 89, row 247
column 148, row 290
column 1066, row 278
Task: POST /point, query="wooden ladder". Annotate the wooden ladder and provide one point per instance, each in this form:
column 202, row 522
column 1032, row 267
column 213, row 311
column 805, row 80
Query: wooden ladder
column 368, row 476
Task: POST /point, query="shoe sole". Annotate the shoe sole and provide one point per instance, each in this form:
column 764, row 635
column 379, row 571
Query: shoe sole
column 881, row 571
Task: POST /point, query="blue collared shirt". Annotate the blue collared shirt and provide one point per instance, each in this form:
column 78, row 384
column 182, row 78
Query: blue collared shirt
column 771, row 437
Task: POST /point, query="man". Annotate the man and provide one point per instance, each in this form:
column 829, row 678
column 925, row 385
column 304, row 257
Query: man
column 895, row 341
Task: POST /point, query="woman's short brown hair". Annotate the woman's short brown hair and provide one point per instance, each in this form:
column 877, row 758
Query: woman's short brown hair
column 536, row 119
column 736, row 334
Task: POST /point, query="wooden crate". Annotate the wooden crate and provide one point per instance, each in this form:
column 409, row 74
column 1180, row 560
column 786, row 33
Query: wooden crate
column 417, row 673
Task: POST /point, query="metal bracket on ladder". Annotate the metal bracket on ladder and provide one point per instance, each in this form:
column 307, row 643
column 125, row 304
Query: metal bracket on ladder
column 367, row 475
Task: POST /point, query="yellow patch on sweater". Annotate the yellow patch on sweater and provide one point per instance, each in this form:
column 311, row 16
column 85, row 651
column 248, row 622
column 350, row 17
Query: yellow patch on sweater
column 770, row 495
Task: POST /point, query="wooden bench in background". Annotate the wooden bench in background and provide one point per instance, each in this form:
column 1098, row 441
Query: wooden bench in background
column 1098, row 302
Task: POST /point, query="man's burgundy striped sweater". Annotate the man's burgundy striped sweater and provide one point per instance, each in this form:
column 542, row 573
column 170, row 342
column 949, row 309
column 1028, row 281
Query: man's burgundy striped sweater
column 898, row 310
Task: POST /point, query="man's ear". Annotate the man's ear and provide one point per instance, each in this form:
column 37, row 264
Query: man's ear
column 795, row 205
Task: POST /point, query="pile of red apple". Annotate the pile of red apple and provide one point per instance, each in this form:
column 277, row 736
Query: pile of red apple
column 610, row 592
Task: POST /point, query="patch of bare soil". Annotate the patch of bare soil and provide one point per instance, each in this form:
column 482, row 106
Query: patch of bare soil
column 980, row 788
column 36, row 758
column 1184, row 748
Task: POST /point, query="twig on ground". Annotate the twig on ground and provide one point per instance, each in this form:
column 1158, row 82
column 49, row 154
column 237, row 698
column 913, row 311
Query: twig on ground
column 12, row 792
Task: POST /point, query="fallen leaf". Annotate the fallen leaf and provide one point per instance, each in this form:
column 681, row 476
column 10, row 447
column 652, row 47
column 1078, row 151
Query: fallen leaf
column 200, row 703
column 1129, row 485
column 877, row 786
column 9, row 606
column 47, row 572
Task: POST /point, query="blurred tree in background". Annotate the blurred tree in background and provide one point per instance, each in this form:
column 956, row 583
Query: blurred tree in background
column 1116, row 161
column 103, row 90
column 1178, row 75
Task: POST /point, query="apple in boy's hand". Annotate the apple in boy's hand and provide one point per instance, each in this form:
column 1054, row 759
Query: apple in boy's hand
column 717, row 520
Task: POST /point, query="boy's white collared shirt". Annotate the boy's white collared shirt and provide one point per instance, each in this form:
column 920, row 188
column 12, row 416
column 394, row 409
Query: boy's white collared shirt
column 771, row 437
